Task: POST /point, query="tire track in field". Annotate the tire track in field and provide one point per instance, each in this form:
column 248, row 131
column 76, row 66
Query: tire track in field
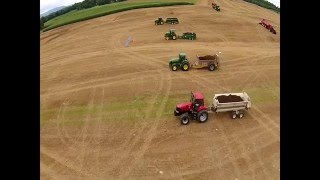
column 98, row 130
column 73, row 147
column 60, row 161
column 236, row 167
column 239, row 156
column 141, row 136
column 49, row 172
column 151, row 133
column 84, row 142
column 125, row 146
column 266, row 124
column 134, row 130
column 251, row 166
column 241, row 62
column 96, row 82
column 128, row 148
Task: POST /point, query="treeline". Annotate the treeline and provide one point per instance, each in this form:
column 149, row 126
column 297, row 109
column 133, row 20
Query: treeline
column 264, row 4
column 76, row 6
column 92, row 13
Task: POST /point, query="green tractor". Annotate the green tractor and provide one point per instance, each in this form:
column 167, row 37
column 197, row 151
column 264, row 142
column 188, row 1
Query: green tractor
column 188, row 35
column 172, row 35
column 181, row 62
column 215, row 6
column 160, row 21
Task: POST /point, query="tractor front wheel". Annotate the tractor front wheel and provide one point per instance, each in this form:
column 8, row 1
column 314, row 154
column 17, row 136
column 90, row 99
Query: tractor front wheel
column 185, row 119
column 167, row 38
column 174, row 67
column 203, row 116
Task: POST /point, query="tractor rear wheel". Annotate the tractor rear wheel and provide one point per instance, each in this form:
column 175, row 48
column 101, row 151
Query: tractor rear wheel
column 185, row 67
column 185, row 119
column 174, row 37
column 211, row 67
column 202, row 116
column 174, row 67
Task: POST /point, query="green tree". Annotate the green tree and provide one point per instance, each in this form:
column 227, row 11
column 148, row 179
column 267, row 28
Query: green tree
column 41, row 23
column 102, row 2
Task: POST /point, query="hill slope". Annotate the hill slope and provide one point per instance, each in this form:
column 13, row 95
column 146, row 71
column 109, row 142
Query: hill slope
column 52, row 11
column 98, row 11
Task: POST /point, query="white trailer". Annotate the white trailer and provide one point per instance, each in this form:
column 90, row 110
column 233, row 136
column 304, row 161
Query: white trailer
column 236, row 103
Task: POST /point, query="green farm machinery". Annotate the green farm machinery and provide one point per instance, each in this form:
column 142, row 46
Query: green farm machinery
column 160, row 21
column 179, row 63
column 215, row 6
column 173, row 36
column 208, row 61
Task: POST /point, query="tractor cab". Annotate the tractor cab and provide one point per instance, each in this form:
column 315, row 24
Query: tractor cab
column 172, row 32
column 182, row 57
column 159, row 21
column 194, row 109
column 171, row 35
column 197, row 100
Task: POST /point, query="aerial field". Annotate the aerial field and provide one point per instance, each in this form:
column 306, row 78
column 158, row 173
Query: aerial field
column 107, row 108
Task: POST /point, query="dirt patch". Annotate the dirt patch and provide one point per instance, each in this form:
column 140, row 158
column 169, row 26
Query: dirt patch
column 207, row 57
column 229, row 98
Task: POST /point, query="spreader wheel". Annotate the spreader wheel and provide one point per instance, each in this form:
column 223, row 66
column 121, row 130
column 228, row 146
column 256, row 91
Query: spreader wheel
column 233, row 115
column 211, row 67
column 240, row 115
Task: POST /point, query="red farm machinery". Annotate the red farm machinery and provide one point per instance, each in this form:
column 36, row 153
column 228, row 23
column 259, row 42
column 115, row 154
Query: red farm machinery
column 268, row 26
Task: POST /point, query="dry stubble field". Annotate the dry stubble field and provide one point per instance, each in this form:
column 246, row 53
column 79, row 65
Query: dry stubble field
column 107, row 109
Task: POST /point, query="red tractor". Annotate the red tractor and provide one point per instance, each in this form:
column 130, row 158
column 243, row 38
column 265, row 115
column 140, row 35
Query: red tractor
column 265, row 24
column 194, row 109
